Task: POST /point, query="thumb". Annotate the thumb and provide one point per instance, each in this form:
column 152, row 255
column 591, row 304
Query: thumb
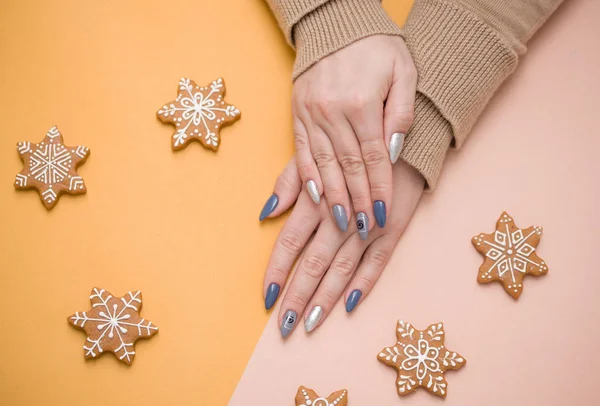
column 398, row 113
column 287, row 188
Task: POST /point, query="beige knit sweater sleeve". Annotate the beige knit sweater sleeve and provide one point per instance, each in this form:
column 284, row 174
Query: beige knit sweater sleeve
column 463, row 50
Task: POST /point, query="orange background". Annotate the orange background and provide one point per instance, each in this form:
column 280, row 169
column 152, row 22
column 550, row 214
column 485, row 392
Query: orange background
column 180, row 226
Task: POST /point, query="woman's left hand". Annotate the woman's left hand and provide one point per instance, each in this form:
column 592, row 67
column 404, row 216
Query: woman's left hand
column 333, row 263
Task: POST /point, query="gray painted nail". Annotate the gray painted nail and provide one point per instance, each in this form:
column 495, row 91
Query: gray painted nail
column 313, row 318
column 362, row 223
column 288, row 323
column 395, row 147
column 380, row 216
column 313, row 191
column 272, row 294
column 353, row 300
column 339, row 213
column 269, row 206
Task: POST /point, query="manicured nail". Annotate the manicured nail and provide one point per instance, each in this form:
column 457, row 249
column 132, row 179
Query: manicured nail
column 353, row 300
column 339, row 213
column 380, row 216
column 272, row 294
column 313, row 191
column 395, row 147
column 362, row 223
column 269, row 206
column 289, row 320
column 313, row 318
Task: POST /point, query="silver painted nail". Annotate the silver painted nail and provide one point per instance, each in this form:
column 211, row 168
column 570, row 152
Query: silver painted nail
column 288, row 323
column 313, row 318
column 313, row 191
column 395, row 147
column 362, row 223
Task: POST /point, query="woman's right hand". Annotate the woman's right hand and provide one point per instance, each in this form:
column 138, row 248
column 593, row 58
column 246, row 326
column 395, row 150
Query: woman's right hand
column 351, row 111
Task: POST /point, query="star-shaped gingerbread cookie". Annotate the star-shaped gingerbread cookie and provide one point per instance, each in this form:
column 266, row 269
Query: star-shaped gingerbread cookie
column 509, row 255
column 199, row 113
column 421, row 359
column 113, row 324
column 308, row 397
column 50, row 167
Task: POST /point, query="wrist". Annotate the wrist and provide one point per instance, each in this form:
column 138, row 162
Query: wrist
column 335, row 25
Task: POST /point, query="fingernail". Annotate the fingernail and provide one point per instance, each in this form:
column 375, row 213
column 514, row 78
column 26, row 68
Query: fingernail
column 380, row 216
column 289, row 320
column 395, row 147
column 269, row 206
column 353, row 300
column 313, row 191
column 313, row 318
column 339, row 213
column 362, row 223
column 272, row 294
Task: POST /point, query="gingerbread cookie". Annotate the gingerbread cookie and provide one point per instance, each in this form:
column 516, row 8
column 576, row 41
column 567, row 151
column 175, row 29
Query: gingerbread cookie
column 308, row 397
column 509, row 255
column 50, row 167
column 421, row 359
column 198, row 113
column 113, row 324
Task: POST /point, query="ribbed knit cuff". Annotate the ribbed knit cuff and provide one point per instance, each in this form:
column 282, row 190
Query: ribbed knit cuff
column 461, row 61
column 427, row 141
column 335, row 25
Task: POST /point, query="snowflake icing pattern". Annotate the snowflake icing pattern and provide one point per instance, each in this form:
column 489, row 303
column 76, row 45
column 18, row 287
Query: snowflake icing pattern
column 509, row 255
column 308, row 397
column 421, row 359
column 113, row 324
column 198, row 113
column 50, row 167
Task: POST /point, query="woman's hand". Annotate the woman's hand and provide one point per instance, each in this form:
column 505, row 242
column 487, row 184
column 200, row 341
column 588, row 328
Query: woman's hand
column 351, row 111
column 332, row 263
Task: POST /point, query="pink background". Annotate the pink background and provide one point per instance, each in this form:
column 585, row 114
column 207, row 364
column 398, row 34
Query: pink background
column 535, row 154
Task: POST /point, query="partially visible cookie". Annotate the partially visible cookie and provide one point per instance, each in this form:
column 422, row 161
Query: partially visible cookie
column 199, row 113
column 113, row 324
column 308, row 397
column 421, row 359
column 50, row 167
column 509, row 254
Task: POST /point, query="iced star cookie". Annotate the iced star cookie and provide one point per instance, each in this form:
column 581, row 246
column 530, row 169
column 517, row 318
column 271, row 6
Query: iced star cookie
column 421, row 359
column 113, row 324
column 50, row 167
column 308, row 397
column 199, row 113
column 509, row 254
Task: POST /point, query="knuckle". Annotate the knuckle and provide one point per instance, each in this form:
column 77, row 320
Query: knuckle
column 322, row 105
column 305, row 171
column 291, row 243
column 301, row 140
column 403, row 116
column 377, row 257
column 343, row 266
column 324, row 160
column 375, row 158
column 380, row 188
column 357, row 103
column 361, row 202
column 284, row 182
column 277, row 272
column 314, row 266
column 367, row 282
column 352, row 165
column 327, row 298
column 297, row 300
